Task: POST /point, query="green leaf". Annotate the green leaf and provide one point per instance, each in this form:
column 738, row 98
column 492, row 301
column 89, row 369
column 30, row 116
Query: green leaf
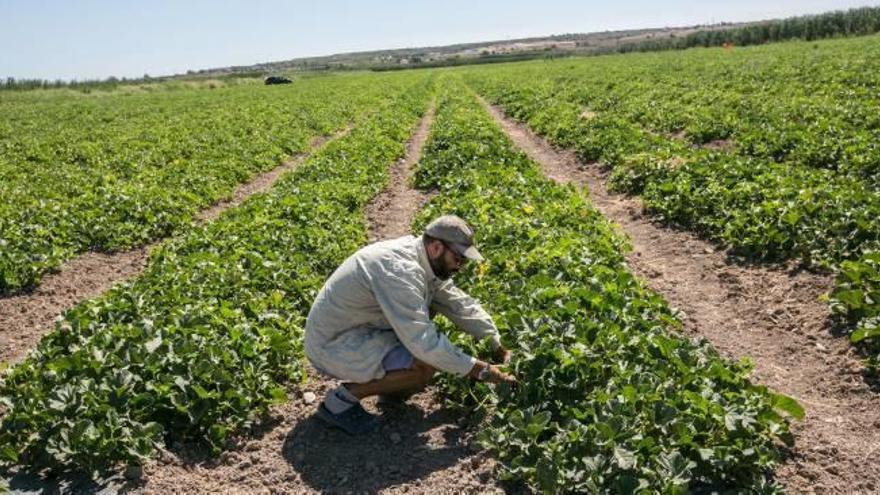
column 9, row 454
column 788, row 405
column 867, row 330
column 625, row 458
column 153, row 344
column 278, row 394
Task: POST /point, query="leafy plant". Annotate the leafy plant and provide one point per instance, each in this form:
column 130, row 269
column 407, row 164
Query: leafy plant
column 610, row 396
column 856, row 296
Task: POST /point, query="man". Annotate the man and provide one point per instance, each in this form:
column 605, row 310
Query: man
column 371, row 327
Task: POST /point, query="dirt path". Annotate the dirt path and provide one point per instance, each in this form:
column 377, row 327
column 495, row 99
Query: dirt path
column 25, row 318
column 772, row 316
column 420, row 448
column 391, row 213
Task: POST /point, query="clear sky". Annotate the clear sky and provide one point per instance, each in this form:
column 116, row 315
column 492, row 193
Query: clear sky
column 80, row 39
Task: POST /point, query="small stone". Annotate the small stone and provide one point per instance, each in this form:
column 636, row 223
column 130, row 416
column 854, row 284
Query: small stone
column 821, row 347
column 309, row 397
column 166, row 457
column 245, row 464
column 252, row 447
column 134, row 472
column 395, row 438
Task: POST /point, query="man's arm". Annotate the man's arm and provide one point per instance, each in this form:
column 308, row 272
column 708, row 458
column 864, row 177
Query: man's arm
column 402, row 299
column 466, row 313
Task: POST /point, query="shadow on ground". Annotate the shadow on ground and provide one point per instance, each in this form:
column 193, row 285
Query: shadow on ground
column 408, row 446
column 24, row 482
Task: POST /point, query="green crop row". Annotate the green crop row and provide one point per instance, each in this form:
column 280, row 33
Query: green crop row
column 805, row 104
column 111, row 172
column 204, row 340
column 761, row 208
column 610, row 397
column 856, row 297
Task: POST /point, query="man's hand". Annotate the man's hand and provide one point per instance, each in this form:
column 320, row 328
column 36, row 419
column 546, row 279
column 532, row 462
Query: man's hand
column 501, row 355
column 495, row 375
column 490, row 373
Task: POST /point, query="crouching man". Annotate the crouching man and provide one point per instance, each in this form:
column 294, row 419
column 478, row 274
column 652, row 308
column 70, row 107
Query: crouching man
column 370, row 325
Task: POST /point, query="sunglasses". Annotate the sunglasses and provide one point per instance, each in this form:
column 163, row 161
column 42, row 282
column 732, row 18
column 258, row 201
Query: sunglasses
column 459, row 258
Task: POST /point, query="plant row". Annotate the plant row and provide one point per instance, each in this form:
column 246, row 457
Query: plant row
column 610, row 396
column 760, row 208
column 114, row 171
column 206, row 339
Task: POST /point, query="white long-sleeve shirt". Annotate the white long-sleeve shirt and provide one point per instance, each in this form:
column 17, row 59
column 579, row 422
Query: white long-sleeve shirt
column 380, row 297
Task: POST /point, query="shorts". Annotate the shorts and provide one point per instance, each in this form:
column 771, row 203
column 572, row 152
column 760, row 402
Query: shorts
column 398, row 358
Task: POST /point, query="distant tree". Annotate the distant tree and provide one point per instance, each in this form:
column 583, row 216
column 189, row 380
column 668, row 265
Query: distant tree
column 853, row 22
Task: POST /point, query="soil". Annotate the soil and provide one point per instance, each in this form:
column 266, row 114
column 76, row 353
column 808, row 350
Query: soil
column 714, row 145
column 720, row 145
column 26, row 317
column 419, row 448
column 771, row 315
column 391, row 213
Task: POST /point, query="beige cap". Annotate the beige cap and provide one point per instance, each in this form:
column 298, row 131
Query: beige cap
column 455, row 232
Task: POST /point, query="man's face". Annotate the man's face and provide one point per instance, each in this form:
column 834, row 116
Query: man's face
column 447, row 263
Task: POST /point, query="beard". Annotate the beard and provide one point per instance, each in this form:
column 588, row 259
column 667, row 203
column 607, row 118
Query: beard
column 440, row 269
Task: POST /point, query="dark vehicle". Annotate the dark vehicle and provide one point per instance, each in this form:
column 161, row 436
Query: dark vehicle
column 277, row 80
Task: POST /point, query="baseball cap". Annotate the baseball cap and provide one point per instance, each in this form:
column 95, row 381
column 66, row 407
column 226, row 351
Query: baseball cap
column 456, row 233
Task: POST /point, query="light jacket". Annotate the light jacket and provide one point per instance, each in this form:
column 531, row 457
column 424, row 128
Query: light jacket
column 380, row 297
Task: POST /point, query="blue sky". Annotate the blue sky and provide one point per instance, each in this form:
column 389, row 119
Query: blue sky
column 99, row 38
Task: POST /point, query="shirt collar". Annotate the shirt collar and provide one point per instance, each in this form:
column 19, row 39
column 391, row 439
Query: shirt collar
column 423, row 259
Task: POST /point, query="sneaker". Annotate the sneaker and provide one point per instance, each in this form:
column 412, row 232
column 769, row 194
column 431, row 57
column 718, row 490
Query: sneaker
column 393, row 400
column 354, row 420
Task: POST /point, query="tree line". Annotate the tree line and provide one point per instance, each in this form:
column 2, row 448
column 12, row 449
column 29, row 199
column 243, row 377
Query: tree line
column 109, row 83
column 854, row 22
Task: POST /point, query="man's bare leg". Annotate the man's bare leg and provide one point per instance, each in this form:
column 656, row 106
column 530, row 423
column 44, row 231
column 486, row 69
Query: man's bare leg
column 411, row 380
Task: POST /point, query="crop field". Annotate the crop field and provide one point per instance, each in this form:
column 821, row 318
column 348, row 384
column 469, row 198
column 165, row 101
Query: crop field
column 773, row 151
column 111, row 172
column 766, row 159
